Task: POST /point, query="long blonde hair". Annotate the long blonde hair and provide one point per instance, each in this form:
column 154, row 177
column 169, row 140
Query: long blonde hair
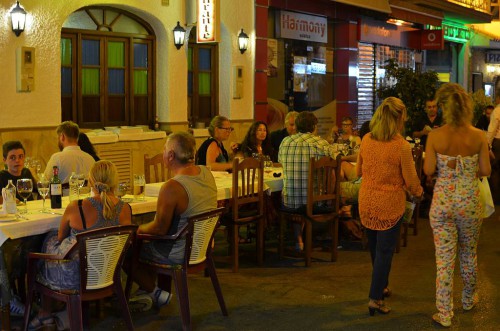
column 456, row 104
column 103, row 177
column 388, row 119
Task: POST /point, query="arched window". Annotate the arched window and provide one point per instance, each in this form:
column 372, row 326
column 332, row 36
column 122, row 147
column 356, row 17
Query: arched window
column 107, row 68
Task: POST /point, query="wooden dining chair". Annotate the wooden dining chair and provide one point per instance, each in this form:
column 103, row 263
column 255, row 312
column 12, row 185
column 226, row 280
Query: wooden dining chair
column 160, row 173
column 247, row 205
column 198, row 234
column 101, row 254
column 418, row 159
column 323, row 200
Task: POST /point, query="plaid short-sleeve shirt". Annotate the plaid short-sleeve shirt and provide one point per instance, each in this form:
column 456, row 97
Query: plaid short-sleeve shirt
column 294, row 154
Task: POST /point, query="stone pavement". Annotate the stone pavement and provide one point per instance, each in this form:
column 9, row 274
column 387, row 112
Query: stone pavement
column 284, row 295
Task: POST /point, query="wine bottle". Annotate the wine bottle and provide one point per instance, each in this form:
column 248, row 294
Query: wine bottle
column 55, row 190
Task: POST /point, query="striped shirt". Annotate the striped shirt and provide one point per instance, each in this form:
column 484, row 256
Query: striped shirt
column 294, row 154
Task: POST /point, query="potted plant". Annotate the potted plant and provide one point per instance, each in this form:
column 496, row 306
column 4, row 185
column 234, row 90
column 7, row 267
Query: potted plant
column 412, row 87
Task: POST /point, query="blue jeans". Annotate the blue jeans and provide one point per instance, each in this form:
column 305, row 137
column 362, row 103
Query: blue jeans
column 382, row 244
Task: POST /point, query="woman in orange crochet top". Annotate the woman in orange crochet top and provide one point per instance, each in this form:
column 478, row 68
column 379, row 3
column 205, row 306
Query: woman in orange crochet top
column 386, row 164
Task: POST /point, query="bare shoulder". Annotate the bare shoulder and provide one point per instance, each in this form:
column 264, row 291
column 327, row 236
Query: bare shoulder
column 171, row 191
column 478, row 132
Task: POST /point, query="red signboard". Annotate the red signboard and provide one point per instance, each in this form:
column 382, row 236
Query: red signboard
column 432, row 39
column 425, row 39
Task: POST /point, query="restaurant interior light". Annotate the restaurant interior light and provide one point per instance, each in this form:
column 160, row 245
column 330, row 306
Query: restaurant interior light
column 242, row 41
column 18, row 18
column 179, row 35
column 399, row 22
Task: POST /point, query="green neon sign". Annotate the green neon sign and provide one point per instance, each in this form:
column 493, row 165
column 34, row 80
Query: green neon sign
column 454, row 33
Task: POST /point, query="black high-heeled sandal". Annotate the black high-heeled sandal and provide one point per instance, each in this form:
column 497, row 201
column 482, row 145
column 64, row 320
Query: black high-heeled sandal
column 378, row 306
column 387, row 292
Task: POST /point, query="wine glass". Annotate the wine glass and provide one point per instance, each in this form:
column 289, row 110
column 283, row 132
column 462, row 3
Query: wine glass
column 43, row 185
column 81, row 182
column 38, row 167
column 25, row 188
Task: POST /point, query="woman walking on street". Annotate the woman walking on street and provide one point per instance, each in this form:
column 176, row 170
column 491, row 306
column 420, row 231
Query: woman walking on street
column 386, row 163
column 459, row 154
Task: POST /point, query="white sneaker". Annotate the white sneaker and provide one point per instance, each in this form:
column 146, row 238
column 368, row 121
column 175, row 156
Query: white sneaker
column 160, row 297
column 140, row 303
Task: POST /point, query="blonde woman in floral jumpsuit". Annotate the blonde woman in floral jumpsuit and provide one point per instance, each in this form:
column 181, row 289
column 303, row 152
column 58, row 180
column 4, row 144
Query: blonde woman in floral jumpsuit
column 459, row 153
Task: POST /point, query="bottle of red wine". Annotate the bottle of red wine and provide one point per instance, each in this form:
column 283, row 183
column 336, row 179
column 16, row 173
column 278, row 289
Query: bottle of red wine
column 55, row 190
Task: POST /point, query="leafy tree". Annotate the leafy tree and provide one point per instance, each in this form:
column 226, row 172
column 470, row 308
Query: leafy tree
column 412, row 87
column 480, row 102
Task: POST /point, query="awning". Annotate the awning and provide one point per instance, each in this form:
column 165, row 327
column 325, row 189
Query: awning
column 377, row 5
column 411, row 13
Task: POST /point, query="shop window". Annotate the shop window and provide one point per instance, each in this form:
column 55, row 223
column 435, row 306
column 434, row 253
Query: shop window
column 107, row 69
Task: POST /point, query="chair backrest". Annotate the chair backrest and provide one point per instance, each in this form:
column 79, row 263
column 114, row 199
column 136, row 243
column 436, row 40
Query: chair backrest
column 418, row 159
column 323, row 183
column 161, row 174
column 248, row 186
column 199, row 233
column 101, row 254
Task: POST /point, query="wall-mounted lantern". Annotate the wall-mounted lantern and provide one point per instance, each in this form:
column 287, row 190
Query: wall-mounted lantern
column 179, row 35
column 243, row 41
column 18, row 18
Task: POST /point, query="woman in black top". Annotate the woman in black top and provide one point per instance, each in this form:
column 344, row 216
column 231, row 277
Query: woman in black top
column 212, row 152
column 257, row 141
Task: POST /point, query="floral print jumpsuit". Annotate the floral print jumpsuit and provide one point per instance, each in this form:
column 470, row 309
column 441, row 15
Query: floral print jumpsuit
column 456, row 223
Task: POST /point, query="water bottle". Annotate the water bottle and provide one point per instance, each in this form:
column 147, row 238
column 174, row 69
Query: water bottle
column 55, row 190
column 10, row 198
column 73, row 187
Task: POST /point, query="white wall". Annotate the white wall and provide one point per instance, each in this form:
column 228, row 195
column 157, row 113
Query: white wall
column 41, row 107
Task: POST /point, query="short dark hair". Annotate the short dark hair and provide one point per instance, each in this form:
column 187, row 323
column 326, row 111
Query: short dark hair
column 70, row 129
column 305, row 122
column 347, row 118
column 10, row 145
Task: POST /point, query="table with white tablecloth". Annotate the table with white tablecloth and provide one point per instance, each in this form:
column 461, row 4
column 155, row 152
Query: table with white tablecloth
column 224, row 182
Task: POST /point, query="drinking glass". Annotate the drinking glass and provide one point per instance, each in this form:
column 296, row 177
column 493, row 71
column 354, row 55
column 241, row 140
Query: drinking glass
column 38, row 167
column 81, row 182
column 268, row 164
column 25, row 188
column 43, row 185
column 139, row 184
column 121, row 190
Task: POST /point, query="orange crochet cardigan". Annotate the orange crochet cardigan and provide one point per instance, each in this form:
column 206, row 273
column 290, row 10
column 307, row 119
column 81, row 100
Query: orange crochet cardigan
column 388, row 171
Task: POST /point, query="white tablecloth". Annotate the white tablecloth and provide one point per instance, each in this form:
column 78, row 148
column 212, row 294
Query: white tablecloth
column 224, row 183
column 32, row 223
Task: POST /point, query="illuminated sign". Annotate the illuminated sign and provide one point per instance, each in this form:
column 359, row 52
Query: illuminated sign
column 302, row 27
column 208, row 21
column 493, row 57
column 454, row 33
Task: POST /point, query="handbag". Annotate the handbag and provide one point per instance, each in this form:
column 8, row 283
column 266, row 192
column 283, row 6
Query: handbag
column 485, row 198
column 409, row 208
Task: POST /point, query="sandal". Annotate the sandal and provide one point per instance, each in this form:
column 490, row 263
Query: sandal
column 38, row 323
column 378, row 306
column 387, row 292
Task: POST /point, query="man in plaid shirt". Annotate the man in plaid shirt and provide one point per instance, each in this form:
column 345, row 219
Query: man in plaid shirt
column 294, row 154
